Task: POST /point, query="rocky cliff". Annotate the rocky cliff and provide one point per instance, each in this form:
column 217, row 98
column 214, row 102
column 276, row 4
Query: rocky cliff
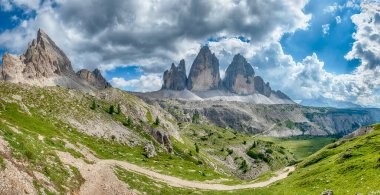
column 204, row 72
column 93, row 78
column 239, row 77
column 175, row 78
column 273, row 120
column 45, row 64
column 262, row 87
column 204, row 83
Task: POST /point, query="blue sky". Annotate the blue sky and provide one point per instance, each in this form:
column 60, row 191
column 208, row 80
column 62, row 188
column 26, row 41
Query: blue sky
column 304, row 48
column 330, row 47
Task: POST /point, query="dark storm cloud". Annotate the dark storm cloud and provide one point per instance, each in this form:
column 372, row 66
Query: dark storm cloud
column 124, row 32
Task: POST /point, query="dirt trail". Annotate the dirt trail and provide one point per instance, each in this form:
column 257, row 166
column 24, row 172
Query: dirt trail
column 101, row 179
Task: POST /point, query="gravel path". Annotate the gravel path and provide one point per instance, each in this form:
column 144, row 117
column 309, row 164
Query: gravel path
column 100, row 177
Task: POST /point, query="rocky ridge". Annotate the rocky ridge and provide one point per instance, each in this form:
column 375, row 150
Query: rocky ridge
column 45, row 64
column 94, row 78
column 175, row 78
column 204, row 82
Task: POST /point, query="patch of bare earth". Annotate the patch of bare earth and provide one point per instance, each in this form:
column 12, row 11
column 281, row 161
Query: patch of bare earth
column 14, row 179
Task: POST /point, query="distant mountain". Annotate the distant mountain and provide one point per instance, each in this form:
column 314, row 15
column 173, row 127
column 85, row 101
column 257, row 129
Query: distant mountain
column 204, row 82
column 45, row 64
column 325, row 102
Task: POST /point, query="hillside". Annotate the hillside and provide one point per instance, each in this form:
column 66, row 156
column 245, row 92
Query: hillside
column 348, row 166
column 49, row 134
column 282, row 120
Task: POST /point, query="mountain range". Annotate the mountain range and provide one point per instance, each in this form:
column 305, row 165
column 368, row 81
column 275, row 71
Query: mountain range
column 204, row 82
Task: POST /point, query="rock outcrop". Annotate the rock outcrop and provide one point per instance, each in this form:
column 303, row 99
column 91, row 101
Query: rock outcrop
column 93, row 78
column 44, row 58
column 175, row 78
column 150, row 150
column 45, row 64
column 204, row 73
column 239, row 77
column 262, row 87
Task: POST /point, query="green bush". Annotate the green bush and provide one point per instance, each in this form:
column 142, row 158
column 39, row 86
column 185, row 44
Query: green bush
column 157, row 121
column 111, row 109
column 252, row 154
column 93, row 105
column 196, row 148
column 244, row 166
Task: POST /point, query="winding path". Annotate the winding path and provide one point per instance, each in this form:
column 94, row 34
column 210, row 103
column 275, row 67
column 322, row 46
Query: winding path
column 100, row 173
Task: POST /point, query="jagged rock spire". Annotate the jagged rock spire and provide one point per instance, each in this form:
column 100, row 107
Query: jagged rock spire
column 204, row 73
column 239, row 76
column 175, row 78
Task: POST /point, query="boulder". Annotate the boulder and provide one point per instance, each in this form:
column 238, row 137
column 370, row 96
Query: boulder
column 150, row 150
column 204, row 73
column 327, row 192
column 239, row 77
column 162, row 137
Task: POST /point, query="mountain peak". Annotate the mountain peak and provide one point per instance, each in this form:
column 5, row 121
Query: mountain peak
column 240, row 76
column 204, row 73
column 175, row 78
column 41, row 33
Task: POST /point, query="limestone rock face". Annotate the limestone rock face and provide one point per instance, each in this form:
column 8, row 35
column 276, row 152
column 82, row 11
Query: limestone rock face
column 262, row 87
column 43, row 58
column 93, row 78
column 175, row 78
column 240, row 76
column 45, row 64
column 12, row 67
column 204, row 73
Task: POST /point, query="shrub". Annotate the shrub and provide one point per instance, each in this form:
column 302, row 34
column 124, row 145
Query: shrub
column 93, row 105
column 118, row 111
column 204, row 138
column 252, row 154
column 230, row 151
column 196, row 148
column 157, row 121
column 289, row 124
column 111, row 109
column 269, row 151
column 244, row 142
column 196, row 118
column 347, row 155
column 244, row 166
column 254, row 144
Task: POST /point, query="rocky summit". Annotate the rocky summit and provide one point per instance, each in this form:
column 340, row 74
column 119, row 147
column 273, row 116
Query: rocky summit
column 204, row 73
column 204, row 83
column 239, row 77
column 175, row 78
column 94, row 78
column 45, row 64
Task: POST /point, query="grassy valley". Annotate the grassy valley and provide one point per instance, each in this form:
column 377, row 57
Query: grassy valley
column 38, row 124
